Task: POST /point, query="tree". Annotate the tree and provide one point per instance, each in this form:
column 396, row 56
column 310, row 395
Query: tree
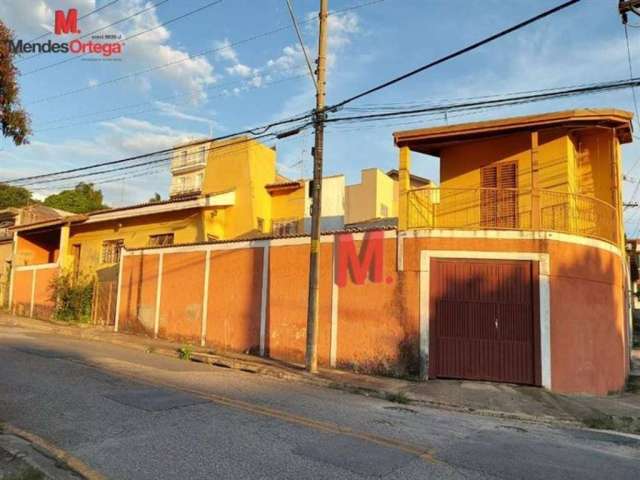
column 156, row 198
column 13, row 118
column 82, row 199
column 11, row 196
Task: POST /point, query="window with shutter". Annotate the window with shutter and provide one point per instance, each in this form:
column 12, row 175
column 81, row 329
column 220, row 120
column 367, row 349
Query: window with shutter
column 498, row 196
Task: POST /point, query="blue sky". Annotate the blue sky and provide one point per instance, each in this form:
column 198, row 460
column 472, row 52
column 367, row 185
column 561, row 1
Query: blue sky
column 265, row 79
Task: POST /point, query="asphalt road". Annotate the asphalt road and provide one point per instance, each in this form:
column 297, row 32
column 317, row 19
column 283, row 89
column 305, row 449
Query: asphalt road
column 133, row 415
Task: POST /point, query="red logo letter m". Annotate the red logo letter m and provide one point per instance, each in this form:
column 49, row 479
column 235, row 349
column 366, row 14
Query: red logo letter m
column 68, row 23
column 367, row 263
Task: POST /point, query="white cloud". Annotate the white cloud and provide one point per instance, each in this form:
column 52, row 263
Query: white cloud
column 120, row 138
column 225, row 51
column 240, row 70
column 92, row 82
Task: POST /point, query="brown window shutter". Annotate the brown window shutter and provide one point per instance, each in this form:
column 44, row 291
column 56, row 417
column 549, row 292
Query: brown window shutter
column 489, row 177
column 508, row 175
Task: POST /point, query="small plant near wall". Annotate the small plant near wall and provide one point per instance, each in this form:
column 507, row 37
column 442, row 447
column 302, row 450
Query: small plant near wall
column 185, row 352
column 72, row 297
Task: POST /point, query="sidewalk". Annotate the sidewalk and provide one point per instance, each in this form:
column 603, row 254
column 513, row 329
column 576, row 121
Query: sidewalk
column 615, row 412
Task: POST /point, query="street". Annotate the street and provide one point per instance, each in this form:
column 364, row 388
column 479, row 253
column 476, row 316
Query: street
column 131, row 414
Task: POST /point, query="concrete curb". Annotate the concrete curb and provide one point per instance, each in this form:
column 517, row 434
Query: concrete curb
column 62, row 456
column 265, row 367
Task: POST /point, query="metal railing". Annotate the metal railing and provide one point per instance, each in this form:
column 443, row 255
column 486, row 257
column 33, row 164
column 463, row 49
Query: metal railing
column 511, row 209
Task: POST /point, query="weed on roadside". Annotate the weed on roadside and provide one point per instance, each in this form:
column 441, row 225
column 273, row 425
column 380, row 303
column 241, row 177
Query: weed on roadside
column 28, row 473
column 185, row 352
column 398, row 397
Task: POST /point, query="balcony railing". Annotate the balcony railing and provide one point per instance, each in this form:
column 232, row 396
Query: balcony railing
column 511, row 209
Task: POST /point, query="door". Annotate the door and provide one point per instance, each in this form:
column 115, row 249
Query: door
column 484, row 320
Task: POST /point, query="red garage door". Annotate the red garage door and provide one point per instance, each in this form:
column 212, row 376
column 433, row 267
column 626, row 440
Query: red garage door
column 484, row 320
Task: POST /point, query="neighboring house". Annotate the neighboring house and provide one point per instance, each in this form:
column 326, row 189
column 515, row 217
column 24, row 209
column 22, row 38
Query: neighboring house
column 9, row 217
column 633, row 255
column 523, row 256
column 291, row 205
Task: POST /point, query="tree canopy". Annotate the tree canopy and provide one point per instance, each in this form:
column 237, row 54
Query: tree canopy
column 156, row 198
column 13, row 118
column 11, row 196
column 83, row 198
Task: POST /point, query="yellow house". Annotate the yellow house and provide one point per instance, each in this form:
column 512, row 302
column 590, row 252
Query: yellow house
column 556, row 171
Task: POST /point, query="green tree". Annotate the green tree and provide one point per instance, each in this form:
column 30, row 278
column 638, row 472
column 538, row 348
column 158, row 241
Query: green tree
column 156, row 198
column 82, row 199
column 11, row 196
column 13, row 118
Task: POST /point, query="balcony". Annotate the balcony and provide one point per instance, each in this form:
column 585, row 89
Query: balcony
column 181, row 165
column 511, row 209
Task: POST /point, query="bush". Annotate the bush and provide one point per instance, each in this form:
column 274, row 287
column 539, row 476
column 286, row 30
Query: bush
column 72, row 298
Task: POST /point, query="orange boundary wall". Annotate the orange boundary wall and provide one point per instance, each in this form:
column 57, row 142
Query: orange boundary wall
column 40, row 305
column 256, row 299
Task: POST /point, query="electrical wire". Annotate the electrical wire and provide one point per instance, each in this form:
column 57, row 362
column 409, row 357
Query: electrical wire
column 453, row 55
column 256, row 132
column 191, row 57
column 131, row 37
column 79, row 18
column 304, row 50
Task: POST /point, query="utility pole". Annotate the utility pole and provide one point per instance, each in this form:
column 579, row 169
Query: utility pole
column 316, row 193
column 626, row 6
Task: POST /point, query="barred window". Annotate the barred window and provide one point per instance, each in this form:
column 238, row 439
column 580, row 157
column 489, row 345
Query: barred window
column 160, row 240
column 285, row 227
column 111, row 250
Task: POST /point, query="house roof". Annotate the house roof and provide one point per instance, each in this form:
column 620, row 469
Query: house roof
column 280, row 187
column 431, row 140
column 393, row 173
column 219, row 199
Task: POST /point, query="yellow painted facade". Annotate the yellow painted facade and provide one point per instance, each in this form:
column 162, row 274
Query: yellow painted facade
column 373, row 198
column 566, row 168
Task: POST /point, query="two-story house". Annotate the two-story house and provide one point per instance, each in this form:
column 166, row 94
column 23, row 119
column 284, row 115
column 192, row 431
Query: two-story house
column 520, row 249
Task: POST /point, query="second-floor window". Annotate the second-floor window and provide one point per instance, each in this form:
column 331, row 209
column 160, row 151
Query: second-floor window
column 184, row 159
column 161, row 239
column 111, row 250
column 499, row 195
column 202, row 153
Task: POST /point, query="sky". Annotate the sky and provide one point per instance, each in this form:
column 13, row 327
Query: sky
column 88, row 110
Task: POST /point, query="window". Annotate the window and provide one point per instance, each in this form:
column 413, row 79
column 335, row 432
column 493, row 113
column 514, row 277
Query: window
column 499, row 197
column 199, row 179
column 184, row 158
column 384, row 210
column 111, row 250
column 202, row 152
column 285, row 227
column 161, row 239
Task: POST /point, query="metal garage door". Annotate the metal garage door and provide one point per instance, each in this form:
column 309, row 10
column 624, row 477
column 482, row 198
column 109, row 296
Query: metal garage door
column 484, row 320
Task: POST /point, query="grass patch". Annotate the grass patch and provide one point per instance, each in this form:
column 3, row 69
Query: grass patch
column 398, row 397
column 185, row 352
column 28, row 473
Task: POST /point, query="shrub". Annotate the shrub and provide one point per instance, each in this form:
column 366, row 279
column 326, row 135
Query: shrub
column 72, row 298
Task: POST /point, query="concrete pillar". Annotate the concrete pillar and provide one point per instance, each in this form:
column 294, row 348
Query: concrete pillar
column 404, row 185
column 63, row 255
column 535, row 189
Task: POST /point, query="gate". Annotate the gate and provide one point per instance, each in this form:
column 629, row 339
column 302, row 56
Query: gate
column 105, row 295
column 484, row 323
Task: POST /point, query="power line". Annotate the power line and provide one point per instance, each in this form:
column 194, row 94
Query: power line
column 131, row 37
column 155, row 109
column 191, row 57
column 453, row 55
column 505, row 101
column 304, row 50
column 255, row 132
column 79, row 18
